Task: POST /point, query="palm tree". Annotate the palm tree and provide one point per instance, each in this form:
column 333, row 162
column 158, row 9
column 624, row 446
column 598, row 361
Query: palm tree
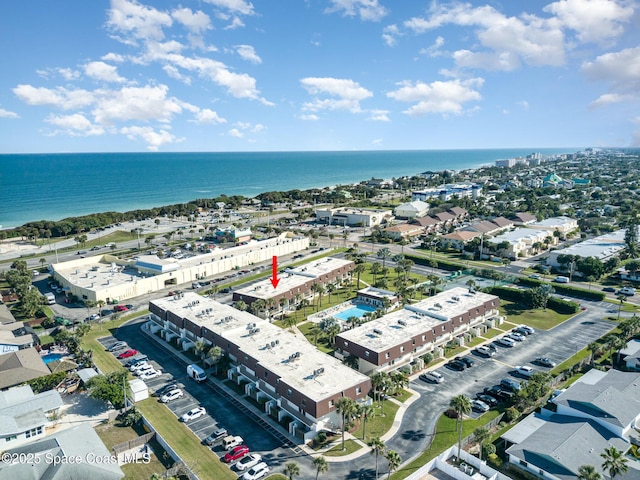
column 359, row 268
column 462, row 406
column 621, row 297
column 377, row 449
column 366, row 412
column 384, row 253
column 615, row 462
column 291, row 469
column 346, row 408
column 393, row 461
column 321, row 464
column 481, row 434
column 588, row 472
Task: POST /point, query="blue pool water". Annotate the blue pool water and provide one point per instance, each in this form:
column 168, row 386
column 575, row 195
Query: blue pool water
column 357, row 311
column 51, row 357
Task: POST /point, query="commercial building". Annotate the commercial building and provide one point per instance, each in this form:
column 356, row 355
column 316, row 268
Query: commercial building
column 602, row 248
column 398, row 338
column 560, row 224
column 523, row 242
column 109, row 278
column 598, row 411
column 354, row 217
column 297, row 283
column 414, row 209
column 283, row 372
column 448, row 191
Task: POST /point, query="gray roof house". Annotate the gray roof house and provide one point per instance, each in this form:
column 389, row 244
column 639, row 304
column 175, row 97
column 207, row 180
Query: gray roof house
column 630, row 355
column 21, row 366
column 79, row 442
column 25, row 415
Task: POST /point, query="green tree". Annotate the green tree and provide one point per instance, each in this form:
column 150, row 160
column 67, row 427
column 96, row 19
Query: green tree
column 383, row 254
column 377, row 449
column 109, row 388
column 615, row 463
column 461, row 404
column 481, row 434
column 321, row 464
column 393, row 461
column 588, row 472
column 366, row 412
column 346, row 407
column 291, row 469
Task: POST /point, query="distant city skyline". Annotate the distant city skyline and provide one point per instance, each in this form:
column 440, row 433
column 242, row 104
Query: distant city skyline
column 231, row 75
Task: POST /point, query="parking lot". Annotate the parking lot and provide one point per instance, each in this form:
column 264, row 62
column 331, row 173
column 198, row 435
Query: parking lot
column 220, row 413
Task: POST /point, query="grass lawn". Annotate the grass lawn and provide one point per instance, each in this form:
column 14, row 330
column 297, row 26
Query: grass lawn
column 492, row 332
column 378, row 425
column 475, row 341
column 445, row 436
column 204, row 463
column 350, row 446
column 276, row 476
column 323, row 341
column 536, row 318
column 403, row 396
column 456, row 351
column 570, row 362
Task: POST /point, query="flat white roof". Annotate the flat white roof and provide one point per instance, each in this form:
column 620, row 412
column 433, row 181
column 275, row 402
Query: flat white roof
column 293, row 277
column 234, row 325
column 600, row 247
column 520, row 234
column 399, row 326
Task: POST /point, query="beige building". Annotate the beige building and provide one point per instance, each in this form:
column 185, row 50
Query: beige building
column 108, row 278
column 355, row 217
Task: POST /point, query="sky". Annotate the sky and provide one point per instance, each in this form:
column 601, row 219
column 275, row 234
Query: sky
column 306, row 75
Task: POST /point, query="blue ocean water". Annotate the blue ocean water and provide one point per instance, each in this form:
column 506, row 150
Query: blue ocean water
column 56, row 186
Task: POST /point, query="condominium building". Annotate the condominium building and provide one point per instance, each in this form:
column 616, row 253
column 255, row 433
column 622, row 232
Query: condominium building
column 396, row 339
column 280, row 370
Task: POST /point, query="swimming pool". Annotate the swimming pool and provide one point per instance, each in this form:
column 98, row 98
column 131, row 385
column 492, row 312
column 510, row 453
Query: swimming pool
column 51, row 357
column 357, row 311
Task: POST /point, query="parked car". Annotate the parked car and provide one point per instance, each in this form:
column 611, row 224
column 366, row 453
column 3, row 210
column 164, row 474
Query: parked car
column 518, row 337
column 466, row 360
column 510, row 384
column 432, row 377
column 117, row 346
column 521, row 330
column 609, row 289
column 488, row 399
column 135, row 361
column 485, row 351
column 129, row 306
column 479, row 406
column 106, row 312
column 167, row 388
column 128, row 353
column 236, row 453
column 149, row 374
column 545, row 362
column 259, row 471
column 499, row 393
column 215, row 436
column 193, row 414
column 93, row 316
column 525, row 371
column 506, row 341
column 456, row 365
column 140, row 366
column 561, row 279
column 535, row 276
column 627, row 291
column 120, row 308
column 229, row 442
column 172, row 395
column 249, row 461
column 144, row 368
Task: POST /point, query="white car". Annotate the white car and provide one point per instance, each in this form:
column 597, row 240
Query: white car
column 249, row 461
column 259, row 471
column 149, row 374
column 138, row 366
column 193, row 414
column 525, row 371
column 143, row 369
column 506, row 341
column 518, row 337
column 172, row 395
column 479, row 406
column 485, row 351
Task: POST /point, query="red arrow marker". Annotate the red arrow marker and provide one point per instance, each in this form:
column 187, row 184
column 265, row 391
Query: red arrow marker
column 274, row 272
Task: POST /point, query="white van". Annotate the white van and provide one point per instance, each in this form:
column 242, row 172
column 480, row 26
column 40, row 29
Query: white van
column 433, row 377
column 561, row 279
column 51, row 298
column 628, row 291
column 197, row 373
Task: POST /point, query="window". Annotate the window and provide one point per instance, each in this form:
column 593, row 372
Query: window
column 424, row 338
column 12, row 437
column 386, row 355
column 366, row 353
column 289, row 392
column 358, row 390
column 303, row 403
column 346, row 344
column 33, row 432
column 523, row 463
column 331, row 403
column 402, row 348
column 266, row 374
column 443, row 328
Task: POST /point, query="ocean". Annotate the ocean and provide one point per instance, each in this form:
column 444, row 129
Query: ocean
column 56, row 186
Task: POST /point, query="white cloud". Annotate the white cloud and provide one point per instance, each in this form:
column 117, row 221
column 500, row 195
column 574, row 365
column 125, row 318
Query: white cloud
column 346, row 94
column 196, row 23
column 523, row 104
column 236, row 7
column 309, row 117
column 621, row 70
column 68, row 73
column 593, row 20
column 149, row 103
column 234, row 132
column 113, row 57
column 508, row 40
column 377, row 141
column 379, row 115
column 75, row 124
column 435, row 49
column 173, row 72
column 103, row 72
column 390, row 35
column 153, row 139
column 132, row 21
column 209, row 116
column 369, row 10
column 8, row 114
column 247, row 52
column 59, row 97
column 438, row 97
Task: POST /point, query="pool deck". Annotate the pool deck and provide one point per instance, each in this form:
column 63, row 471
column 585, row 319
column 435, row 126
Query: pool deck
column 336, row 309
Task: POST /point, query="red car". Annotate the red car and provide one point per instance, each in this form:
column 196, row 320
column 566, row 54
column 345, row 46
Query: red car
column 128, row 353
column 120, row 308
column 236, row 454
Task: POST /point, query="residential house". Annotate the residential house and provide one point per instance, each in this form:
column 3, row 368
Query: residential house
column 410, row 210
column 21, row 366
column 524, row 218
column 459, row 238
column 404, row 230
column 24, row 415
column 16, row 336
column 630, row 355
column 562, row 224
